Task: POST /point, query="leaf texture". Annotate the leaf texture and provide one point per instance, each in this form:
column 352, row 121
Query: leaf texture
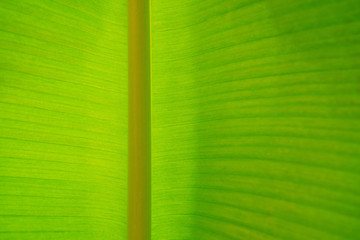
column 255, row 119
column 63, row 119
column 256, row 109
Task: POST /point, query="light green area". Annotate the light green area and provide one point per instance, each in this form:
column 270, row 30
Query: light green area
column 255, row 119
column 63, row 119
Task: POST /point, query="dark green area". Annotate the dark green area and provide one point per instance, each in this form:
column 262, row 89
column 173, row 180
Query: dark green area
column 256, row 119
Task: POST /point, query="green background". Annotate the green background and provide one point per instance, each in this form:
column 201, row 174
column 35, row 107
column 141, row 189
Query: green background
column 255, row 119
column 63, row 119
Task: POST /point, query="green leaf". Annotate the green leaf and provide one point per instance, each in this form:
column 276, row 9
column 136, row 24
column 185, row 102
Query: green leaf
column 63, row 119
column 256, row 119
